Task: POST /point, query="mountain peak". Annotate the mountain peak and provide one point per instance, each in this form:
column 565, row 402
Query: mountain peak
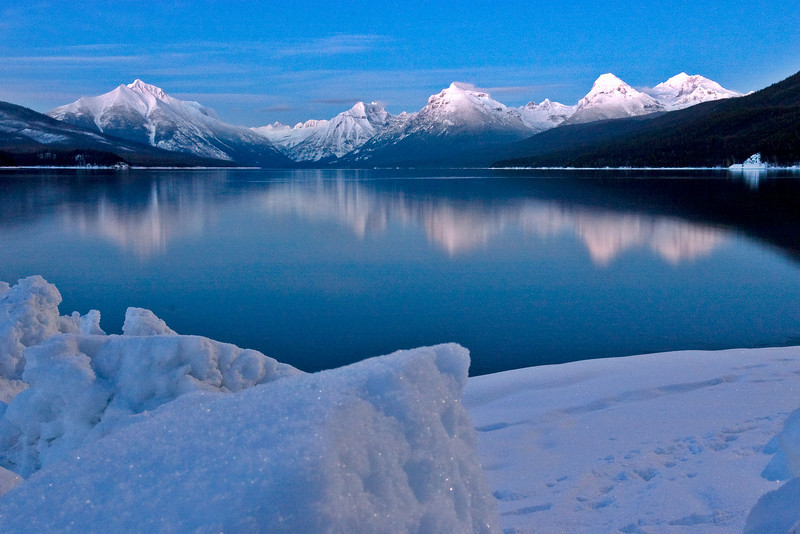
column 683, row 90
column 359, row 108
column 142, row 87
column 608, row 83
column 611, row 98
column 679, row 79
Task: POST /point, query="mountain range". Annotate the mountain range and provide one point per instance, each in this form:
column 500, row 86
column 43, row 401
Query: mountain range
column 460, row 126
column 719, row 132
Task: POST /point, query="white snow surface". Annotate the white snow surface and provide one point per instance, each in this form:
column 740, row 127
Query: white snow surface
column 379, row 446
column 673, row 442
column 154, row 431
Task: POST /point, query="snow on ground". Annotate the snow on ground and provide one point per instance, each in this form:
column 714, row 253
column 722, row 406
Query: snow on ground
column 379, row 446
column 151, row 430
column 672, row 442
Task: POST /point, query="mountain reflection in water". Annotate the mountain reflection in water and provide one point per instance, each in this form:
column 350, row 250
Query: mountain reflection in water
column 456, row 226
column 320, row 269
column 461, row 226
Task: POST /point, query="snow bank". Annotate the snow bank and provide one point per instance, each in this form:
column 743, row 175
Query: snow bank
column 84, row 387
column 151, row 430
column 379, row 446
column 82, row 384
column 779, row 510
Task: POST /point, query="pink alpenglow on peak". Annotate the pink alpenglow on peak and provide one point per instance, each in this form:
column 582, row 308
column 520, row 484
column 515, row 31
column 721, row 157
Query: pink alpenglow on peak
column 611, row 98
column 683, row 90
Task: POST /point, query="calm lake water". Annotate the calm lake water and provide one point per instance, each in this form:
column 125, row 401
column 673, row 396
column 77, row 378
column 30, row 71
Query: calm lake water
column 319, row 269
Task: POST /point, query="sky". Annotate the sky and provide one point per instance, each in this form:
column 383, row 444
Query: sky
column 258, row 62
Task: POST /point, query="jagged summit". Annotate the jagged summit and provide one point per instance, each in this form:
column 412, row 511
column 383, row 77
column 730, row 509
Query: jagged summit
column 315, row 140
column 546, row 115
column 142, row 87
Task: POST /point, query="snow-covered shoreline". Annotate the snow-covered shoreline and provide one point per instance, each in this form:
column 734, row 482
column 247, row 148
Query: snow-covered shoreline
column 672, row 442
column 186, row 434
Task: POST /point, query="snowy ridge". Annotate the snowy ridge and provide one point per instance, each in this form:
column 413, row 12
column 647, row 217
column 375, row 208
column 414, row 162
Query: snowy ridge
column 452, row 120
column 319, row 139
column 368, row 132
column 285, row 137
column 145, row 113
column 546, row 115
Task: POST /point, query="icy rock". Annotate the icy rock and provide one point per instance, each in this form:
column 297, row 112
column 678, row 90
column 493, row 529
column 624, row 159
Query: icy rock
column 83, row 387
column 141, row 322
column 383, row 445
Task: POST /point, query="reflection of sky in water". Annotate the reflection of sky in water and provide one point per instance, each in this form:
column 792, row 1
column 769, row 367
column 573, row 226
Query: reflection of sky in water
column 319, row 269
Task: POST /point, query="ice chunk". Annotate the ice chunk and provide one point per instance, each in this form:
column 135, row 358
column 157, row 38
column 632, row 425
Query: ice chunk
column 383, row 445
column 28, row 316
column 141, row 322
column 81, row 324
column 83, row 387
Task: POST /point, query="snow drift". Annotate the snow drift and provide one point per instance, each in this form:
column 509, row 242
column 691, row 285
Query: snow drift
column 151, row 430
column 778, row 511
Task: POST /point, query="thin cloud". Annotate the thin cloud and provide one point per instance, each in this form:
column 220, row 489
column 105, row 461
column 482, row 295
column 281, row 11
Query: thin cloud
column 334, row 46
column 73, row 59
column 336, row 101
column 520, row 89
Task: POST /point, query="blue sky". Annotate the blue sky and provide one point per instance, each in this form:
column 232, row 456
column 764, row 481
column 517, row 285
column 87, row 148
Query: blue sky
column 256, row 62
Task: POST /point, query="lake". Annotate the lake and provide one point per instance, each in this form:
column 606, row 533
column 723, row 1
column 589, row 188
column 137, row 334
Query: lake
column 322, row 268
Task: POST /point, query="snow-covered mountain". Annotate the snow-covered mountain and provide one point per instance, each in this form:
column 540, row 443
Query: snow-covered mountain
column 146, row 114
column 682, row 91
column 320, row 139
column 453, row 124
column 31, row 138
column 611, row 98
column 462, row 109
column 541, row 117
column 460, row 125
column 286, row 137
